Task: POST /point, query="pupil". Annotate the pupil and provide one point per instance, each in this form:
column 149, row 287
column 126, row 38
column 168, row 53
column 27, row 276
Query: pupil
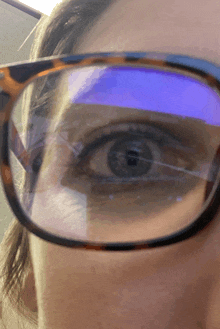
column 132, row 158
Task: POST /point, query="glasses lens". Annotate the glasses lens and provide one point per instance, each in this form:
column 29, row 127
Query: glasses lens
column 114, row 153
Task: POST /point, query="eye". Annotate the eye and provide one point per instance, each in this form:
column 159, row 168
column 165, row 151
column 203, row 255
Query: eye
column 139, row 153
column 125, row 157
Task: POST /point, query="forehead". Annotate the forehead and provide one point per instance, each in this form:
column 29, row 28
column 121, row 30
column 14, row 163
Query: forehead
column 188, row 27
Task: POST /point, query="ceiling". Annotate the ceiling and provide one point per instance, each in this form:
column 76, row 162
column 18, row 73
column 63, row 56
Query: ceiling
column 16, row 23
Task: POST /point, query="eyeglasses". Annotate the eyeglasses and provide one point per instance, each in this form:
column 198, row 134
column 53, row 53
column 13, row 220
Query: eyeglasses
column 111, row 151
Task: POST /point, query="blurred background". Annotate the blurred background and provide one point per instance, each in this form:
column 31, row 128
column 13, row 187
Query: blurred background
column 17, row 28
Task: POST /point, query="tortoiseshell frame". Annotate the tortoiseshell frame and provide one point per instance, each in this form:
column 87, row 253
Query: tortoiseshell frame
column 14, row 78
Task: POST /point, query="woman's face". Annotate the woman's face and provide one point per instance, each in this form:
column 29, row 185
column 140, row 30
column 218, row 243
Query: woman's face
column 177, row 286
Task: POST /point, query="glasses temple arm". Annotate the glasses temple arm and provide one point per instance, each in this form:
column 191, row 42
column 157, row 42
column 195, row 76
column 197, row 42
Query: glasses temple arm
column 16, row 144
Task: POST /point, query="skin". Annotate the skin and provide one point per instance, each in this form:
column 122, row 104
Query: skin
column 177, row 286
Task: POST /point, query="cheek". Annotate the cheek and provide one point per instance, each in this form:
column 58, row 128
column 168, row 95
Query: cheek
column 99, row 288
column 61, row 213
column 125, row 290
column 70, row 214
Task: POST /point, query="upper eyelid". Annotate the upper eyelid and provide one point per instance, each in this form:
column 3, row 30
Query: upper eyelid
column 150, row 131
column 151, row 120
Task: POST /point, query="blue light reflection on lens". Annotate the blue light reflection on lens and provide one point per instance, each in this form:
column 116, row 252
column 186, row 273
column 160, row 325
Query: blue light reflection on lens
column 150, row 89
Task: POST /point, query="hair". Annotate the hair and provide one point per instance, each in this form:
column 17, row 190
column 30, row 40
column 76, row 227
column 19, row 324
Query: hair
column 58, row 34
